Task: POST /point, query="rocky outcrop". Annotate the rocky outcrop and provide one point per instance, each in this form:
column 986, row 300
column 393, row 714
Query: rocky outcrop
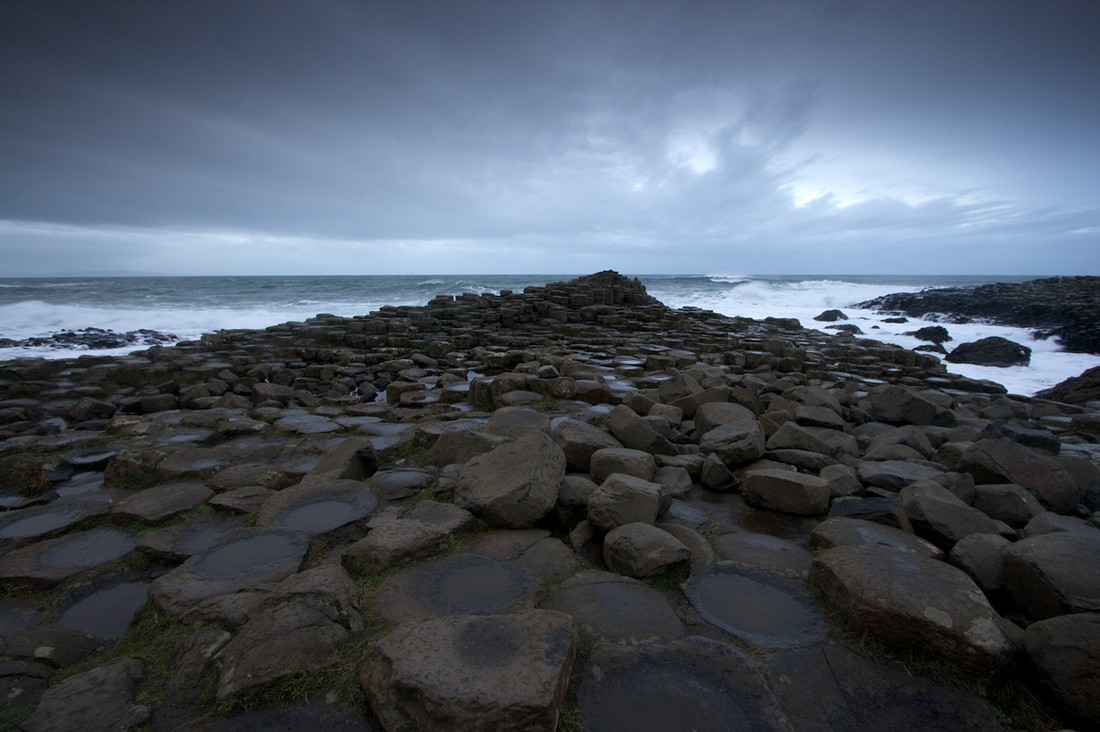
column 412, row 503
column 1076, row 389
column 1066, row 307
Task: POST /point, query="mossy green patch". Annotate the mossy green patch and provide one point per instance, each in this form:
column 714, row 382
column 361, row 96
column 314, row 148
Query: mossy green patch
column 666, row 581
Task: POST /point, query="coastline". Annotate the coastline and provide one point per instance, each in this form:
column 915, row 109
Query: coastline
column 511, row 436
column 67, row 318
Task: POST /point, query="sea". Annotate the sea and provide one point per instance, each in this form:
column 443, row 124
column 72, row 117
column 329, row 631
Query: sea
column 188, row 307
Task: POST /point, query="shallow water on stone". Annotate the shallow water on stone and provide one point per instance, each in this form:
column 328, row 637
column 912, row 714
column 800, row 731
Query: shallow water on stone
column 205, row 533
column 243, row 556
column 42, row 522
column 754, row 608
column 182, row 437
column 479, row 588
column 662, row 697
column 309, row 424
column 319, row 517
column 80, row 483
column 108, row 612
column 89, row 549
column 89, row 458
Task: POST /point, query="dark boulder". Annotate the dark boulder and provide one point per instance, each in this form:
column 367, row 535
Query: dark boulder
column 992, row 351
column 831, row 316
column 933, row 333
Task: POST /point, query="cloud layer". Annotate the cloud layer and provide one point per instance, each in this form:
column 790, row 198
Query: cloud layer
column 366, row 137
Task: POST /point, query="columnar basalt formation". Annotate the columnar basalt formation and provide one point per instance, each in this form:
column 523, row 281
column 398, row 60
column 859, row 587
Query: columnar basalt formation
column 484, row 510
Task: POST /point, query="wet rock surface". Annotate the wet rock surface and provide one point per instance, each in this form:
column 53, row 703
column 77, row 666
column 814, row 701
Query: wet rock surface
column 427, row 517
column 1063, row 306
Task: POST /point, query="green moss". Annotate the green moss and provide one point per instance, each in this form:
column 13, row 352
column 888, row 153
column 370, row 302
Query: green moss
column 570, row 720
column 404, row 451
column 340, row 679
column 668, row 580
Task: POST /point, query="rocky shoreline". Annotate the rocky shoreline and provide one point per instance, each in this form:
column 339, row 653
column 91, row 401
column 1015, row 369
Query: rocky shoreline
column 1067, row 308
column 566, row 508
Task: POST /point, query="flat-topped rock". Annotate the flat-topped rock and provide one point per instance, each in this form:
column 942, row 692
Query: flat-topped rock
column 46, row 563
column 844, row 531
column 395, row 485
column 43, row 521
column 764, row 552
column 462, row 584
column 181, row 541
column 533, row 549
column 758, row 607
column 472, row 672
column 158, row 503
column 318, row 507
column 240, row 560
column 833, row 689
column 911, row 600
column 616, row 609
column 694, row 683
column 392, row 543
column 107, row 612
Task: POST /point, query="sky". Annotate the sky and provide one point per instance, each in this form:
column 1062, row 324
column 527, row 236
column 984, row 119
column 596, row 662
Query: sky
column 470, row 136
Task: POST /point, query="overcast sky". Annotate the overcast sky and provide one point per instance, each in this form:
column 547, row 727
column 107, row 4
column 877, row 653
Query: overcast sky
column 465, row 136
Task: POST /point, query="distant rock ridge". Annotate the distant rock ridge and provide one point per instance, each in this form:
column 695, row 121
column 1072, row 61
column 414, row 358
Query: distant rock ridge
column 1065, row 307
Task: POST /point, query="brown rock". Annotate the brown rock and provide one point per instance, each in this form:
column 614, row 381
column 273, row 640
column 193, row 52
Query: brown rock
column 472, row 672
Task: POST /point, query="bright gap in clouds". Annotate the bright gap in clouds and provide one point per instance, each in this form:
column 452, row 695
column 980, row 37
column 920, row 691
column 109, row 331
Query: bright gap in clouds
column 692, row 151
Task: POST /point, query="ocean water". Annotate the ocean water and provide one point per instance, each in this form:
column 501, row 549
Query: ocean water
column 188, row 307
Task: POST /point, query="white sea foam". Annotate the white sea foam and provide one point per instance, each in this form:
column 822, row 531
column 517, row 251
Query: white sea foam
column 805, row 299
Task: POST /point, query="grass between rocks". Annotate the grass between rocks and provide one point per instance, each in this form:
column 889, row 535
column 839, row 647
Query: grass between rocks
column 341, row 680
column 403, row 452
column 1016, row 704
column 668, row 580
column 154, row 638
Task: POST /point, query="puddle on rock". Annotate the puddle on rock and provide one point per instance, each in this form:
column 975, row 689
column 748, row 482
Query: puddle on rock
column 41, row 522
column 757, row 607
column 463, row 584
column 253, row 553
column 108, row 612
column 319, row 517
column 89, row 459
column 89, row 549
column 80, row 483
column 695, row 684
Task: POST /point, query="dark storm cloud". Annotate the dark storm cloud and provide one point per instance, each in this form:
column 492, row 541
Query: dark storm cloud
column 649, row 136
